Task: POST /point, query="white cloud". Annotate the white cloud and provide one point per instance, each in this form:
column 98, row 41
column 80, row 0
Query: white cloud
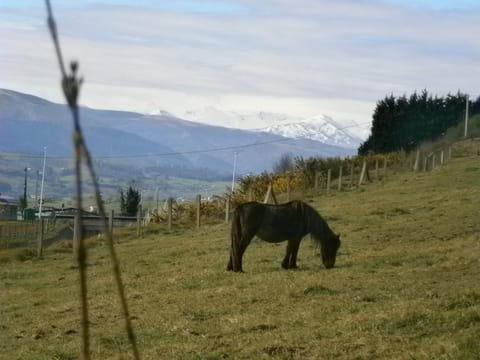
column 303, row 58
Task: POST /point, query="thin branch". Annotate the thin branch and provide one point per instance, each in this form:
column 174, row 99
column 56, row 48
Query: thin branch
column 113, row 255
column 81, row 251
column 71, row 89
column 53, row 31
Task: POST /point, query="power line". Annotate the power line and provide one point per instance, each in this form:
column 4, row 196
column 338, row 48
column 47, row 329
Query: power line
column 173, row 153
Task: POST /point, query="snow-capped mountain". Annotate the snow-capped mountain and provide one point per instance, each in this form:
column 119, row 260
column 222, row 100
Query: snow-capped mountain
column 319, row 128
column 237, row 120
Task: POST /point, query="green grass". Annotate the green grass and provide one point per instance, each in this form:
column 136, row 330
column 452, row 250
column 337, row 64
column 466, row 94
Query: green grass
column 405, row 285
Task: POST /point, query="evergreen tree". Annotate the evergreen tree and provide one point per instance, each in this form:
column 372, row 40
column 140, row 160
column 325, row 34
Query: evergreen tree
column 130, row 200
column 405, row 122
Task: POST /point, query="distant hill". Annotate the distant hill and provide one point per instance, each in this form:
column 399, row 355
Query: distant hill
column 29, row 123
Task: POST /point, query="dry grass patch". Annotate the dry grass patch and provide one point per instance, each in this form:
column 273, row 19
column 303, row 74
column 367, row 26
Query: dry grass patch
column 405, row 285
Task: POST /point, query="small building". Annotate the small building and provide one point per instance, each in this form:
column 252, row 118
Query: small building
column 8, row 211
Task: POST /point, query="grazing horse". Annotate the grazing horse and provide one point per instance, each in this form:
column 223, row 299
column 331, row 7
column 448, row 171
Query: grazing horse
column 277, row 223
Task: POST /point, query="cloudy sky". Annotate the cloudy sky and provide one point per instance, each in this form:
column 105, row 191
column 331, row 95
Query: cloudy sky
column 298, row 57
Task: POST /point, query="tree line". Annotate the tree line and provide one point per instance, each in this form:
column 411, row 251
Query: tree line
column 403, row 123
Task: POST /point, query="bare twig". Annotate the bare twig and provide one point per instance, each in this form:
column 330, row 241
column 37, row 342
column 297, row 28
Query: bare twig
column 113, row 255
column 53, row 31
column 71, row 88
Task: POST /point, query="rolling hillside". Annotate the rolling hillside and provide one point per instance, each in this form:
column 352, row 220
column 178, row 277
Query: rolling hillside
column 405, row 285
column 126, row 146
column 29, row 123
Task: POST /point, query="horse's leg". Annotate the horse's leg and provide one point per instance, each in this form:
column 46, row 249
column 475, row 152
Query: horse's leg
column 237, row 250
column 236, row 238
column 286, row 259
column 244, row 242
column 235, row 263
column 230, row 261
column 293, row 255
column 290, row 259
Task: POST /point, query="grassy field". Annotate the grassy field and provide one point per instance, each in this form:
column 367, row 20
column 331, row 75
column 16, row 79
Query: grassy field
column 406, row 285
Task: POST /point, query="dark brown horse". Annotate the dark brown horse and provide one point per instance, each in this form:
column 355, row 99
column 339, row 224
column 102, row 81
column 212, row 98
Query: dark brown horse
column 277, row 223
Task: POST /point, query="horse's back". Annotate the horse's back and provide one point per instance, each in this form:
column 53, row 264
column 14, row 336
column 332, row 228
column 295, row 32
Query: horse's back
column 249, row 214
column 271, row 223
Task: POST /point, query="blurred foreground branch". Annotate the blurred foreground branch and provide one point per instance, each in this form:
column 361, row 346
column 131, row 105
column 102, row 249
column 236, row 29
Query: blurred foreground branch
column 71, row 84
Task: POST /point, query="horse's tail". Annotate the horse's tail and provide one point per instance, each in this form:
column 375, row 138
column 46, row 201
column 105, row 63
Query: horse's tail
column 236, row 238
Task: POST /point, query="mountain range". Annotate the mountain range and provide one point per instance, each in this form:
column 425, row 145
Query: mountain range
column 29, row 123
column 319, row 128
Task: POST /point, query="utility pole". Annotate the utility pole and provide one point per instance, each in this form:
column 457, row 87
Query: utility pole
column 36, row 188
column 41, row 186
column 234, row 170
column 25, row 201
column 466, row 118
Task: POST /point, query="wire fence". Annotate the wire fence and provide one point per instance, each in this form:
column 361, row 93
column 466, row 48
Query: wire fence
column 346, row 175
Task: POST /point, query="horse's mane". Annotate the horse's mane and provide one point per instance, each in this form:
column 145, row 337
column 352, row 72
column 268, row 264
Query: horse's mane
column 316, row 224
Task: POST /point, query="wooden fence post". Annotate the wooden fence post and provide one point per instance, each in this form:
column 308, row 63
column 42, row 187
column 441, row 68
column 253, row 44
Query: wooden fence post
column 416, row 165
column 317, row 175
column 268, row 194
column 442, row 159
column 139, row 219
column 76, row 232
column 352, row 168
column 385, row 167
column 227, row 209
column 169, row 214
column 250, row 194
column 340, row 176
column 110, row 222
column 329, row 178
column 376, row 169
column 288, row 188
column 40, row 238
column 198, row 202
column 363, row 172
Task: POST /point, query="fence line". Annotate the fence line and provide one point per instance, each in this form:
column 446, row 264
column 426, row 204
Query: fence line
column 325, row 181
column 26, row 233
column 34, row 233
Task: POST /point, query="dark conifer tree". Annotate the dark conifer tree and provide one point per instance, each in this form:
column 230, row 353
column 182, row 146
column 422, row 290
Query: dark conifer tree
column 405, row 122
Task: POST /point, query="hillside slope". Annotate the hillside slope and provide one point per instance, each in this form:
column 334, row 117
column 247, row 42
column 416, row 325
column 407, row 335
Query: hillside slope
column 405, row 285
column 30, row 123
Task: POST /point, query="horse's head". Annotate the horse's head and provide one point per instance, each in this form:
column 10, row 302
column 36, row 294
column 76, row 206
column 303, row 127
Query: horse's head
column 329, row 251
